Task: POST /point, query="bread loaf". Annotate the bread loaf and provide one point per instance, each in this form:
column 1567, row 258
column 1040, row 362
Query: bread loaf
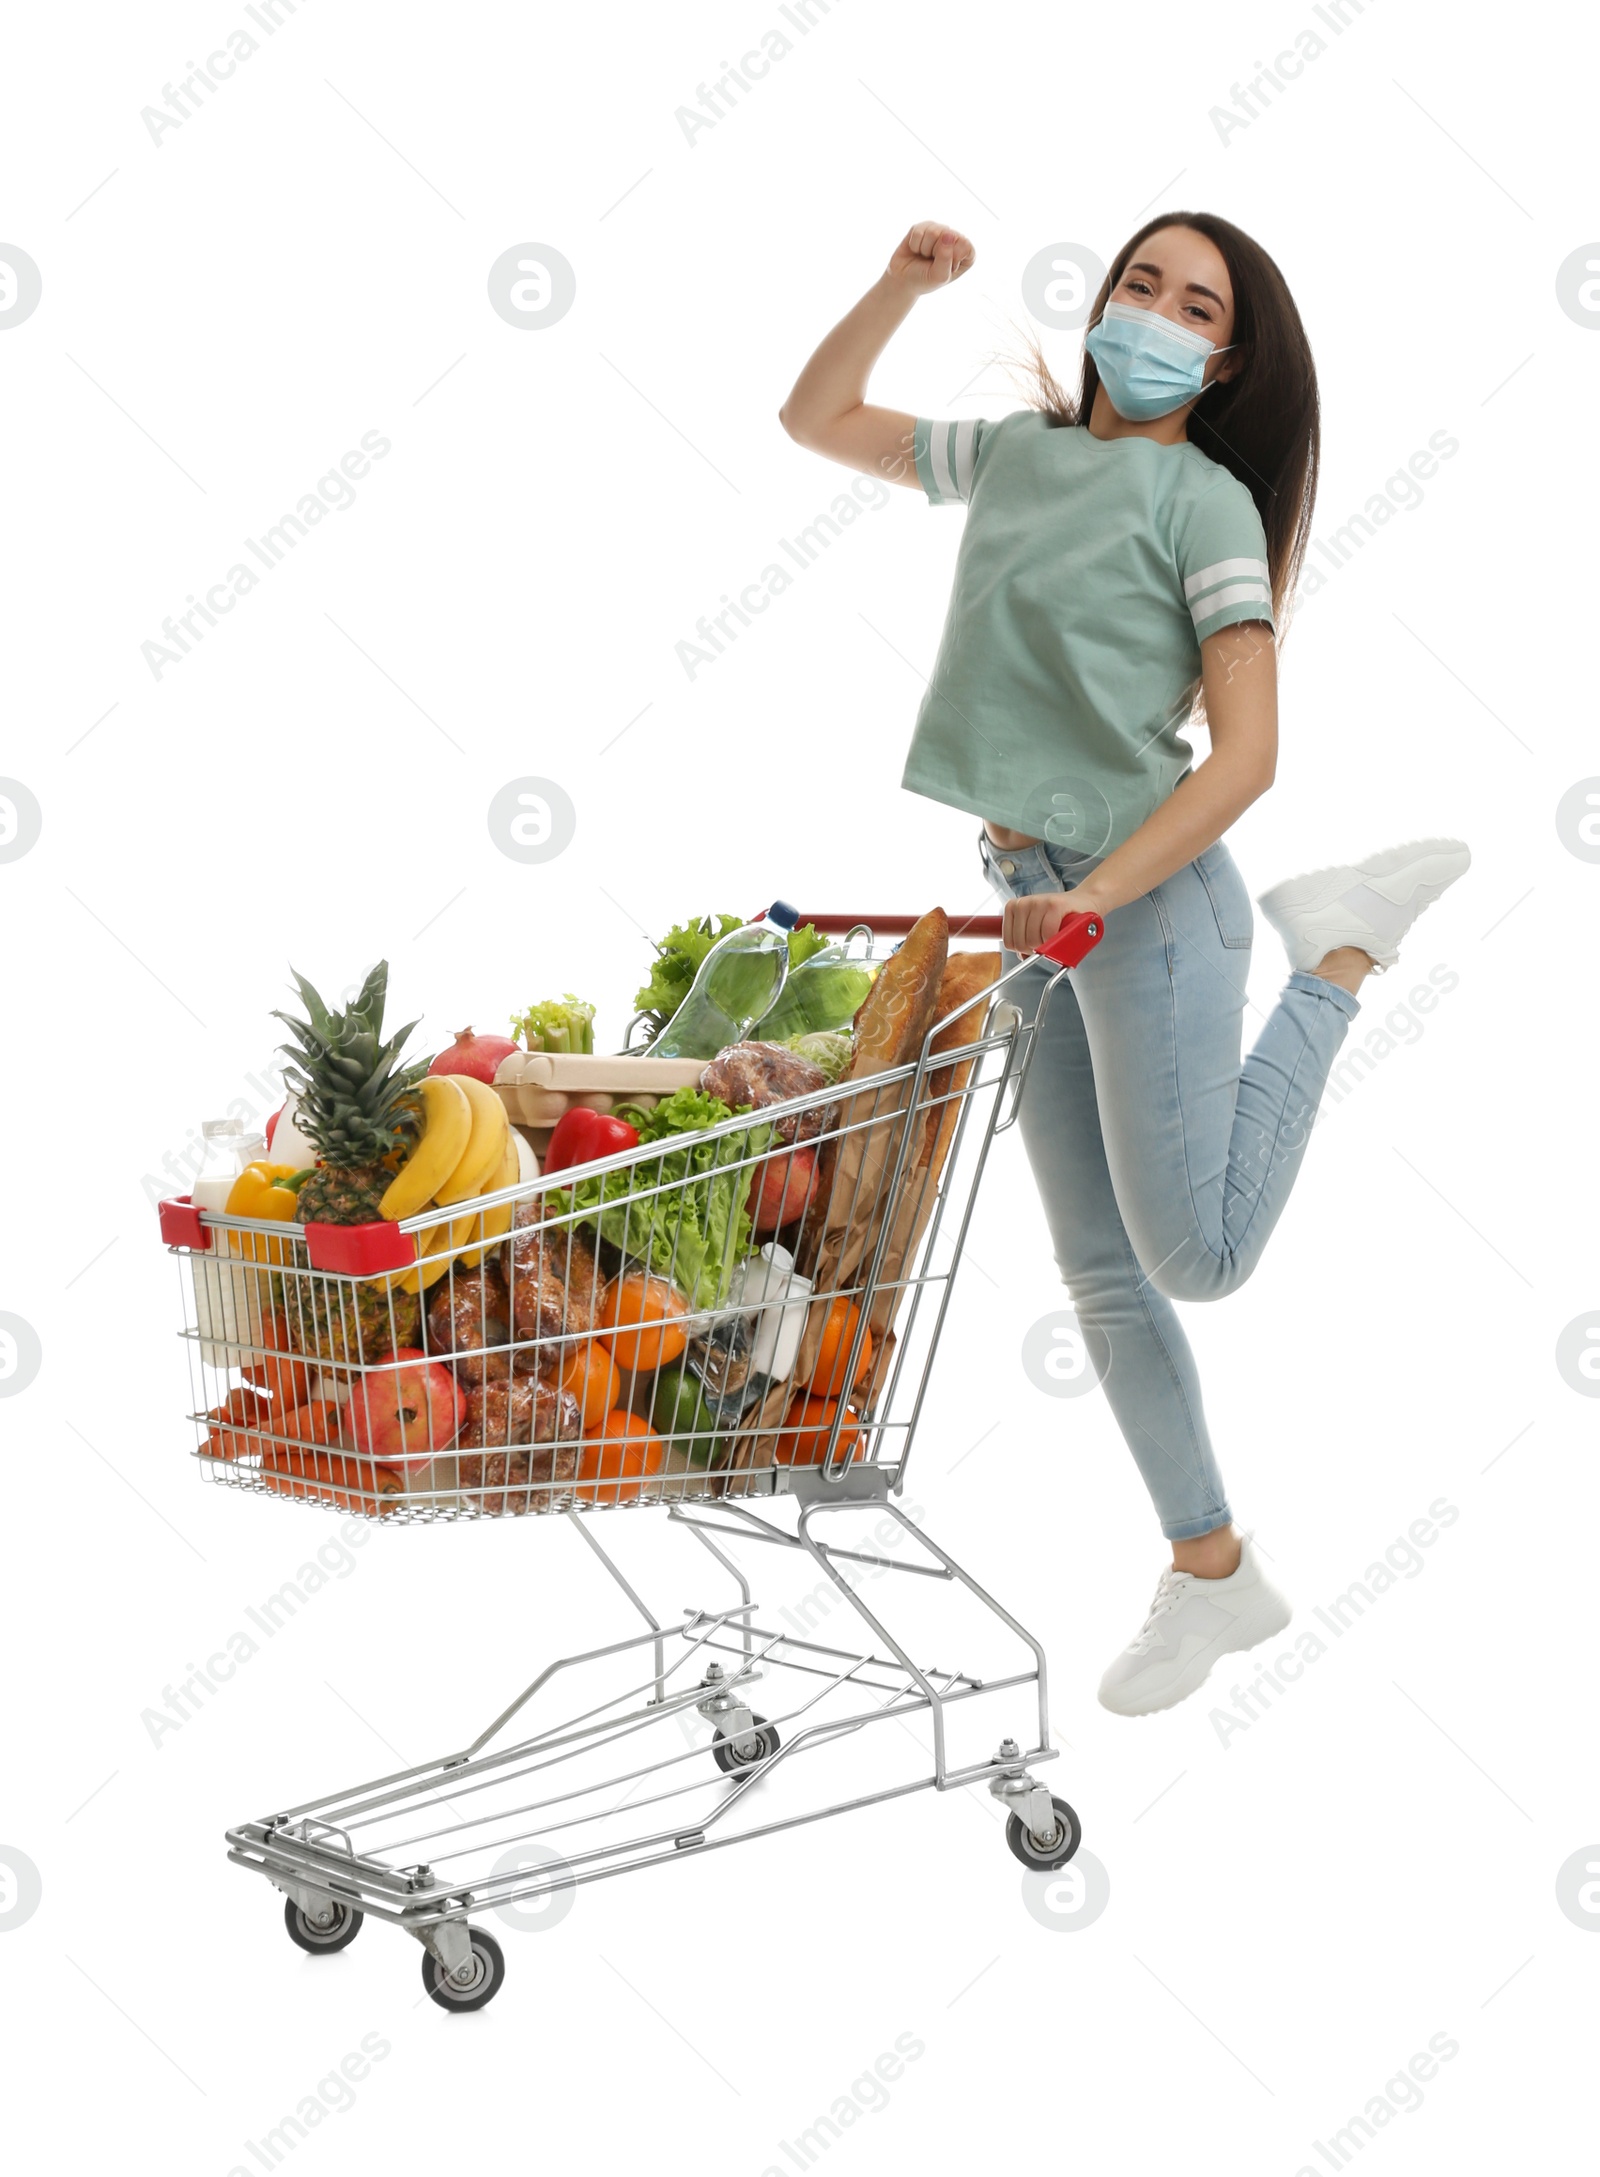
column 966, row 983
column 967, row 979
column 894, row 1016
column 889, row 1026
column 922, row 984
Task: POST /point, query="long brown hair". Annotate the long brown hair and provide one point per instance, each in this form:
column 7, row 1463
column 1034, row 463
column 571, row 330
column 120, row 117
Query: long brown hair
column 1263, row 424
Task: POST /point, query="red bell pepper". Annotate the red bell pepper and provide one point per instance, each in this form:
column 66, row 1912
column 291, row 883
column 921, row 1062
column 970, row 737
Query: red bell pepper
column 583, row 1136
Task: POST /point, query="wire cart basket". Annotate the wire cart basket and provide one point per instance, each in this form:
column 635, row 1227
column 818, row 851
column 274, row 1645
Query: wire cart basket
column 515, row 1381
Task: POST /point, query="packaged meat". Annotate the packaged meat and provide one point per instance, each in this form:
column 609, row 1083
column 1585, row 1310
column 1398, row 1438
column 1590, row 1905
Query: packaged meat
column 470, row 1311
column 519, row 1412
column 558, row 1290
column 767, row 1073
column 506, row 1481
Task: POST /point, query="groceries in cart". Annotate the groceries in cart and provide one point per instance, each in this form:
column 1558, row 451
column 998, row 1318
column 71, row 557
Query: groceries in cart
column 525, row 1275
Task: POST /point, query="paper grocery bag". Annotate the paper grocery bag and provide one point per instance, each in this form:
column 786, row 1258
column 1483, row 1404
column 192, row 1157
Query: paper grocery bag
column 855, row 1199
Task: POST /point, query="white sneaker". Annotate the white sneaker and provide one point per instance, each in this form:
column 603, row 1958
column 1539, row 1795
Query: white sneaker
column 1191, row 1623
column 1371, row 904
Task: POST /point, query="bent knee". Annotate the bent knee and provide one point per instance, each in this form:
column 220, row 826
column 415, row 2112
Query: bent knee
column 1195, row 1273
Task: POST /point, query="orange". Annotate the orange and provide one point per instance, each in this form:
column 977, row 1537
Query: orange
column 827, row 1378
column 643, row 1318
column 613, row 1471
column 803, row 1439
column 594, row 1380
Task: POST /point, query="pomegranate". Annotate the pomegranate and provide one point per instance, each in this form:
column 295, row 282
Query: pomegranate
column 405, row 1414
column 480, row 1056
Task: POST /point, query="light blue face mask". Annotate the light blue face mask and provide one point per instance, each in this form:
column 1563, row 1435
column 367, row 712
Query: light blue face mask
column 1148, row 365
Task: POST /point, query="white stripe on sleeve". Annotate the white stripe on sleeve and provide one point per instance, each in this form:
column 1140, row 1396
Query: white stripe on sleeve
column 1223, row 569
column 1236, row 593
column 965, row 433
column 939, row 457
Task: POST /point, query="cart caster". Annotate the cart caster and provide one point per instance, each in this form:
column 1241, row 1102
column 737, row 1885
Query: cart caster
column 1068, row 1837
column 733, row 1754
column 473, row 1984
column 337, row 1926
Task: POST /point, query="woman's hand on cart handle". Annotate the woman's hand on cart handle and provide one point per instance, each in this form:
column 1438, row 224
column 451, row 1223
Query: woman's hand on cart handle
column 932, row 255
column 1051, row 924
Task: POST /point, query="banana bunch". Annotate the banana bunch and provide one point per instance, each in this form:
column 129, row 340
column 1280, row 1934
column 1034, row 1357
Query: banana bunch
column 467, row 1149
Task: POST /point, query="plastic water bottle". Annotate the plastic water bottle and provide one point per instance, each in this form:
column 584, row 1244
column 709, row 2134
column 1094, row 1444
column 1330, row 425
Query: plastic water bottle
column 822, row 993
column 739, row 980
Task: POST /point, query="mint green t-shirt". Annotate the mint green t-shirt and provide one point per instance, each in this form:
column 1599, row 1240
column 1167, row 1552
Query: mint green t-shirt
column 1089, row 574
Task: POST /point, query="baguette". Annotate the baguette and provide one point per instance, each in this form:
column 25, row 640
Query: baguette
column 966, row 984
column 889, row 1026
column 894, row 1016
column 852, row 1199
column 967, row 979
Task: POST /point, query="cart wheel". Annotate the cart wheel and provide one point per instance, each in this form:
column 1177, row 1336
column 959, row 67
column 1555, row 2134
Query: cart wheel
column 1068, row 1837
column 732, row 1755
column 480, row 1977
column 343, row 1926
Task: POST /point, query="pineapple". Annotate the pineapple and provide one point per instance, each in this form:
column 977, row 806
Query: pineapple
column 359, row 1107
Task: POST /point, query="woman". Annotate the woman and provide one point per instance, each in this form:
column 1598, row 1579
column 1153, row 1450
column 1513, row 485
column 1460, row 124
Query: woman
column 1126, row 560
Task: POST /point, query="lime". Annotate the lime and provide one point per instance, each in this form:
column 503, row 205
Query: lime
column 679, row 1412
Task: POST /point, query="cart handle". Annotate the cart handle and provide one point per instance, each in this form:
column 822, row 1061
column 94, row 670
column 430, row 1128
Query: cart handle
column 1076, row 936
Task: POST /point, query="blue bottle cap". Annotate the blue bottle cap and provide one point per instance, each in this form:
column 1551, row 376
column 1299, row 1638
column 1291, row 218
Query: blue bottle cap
column 782, row 914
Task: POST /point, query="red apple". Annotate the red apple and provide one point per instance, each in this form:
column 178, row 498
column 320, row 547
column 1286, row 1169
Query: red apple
column 781, row 1188
column 406, row 1411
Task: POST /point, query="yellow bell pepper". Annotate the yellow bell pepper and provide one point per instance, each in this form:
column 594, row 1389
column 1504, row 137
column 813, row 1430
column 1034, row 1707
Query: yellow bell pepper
column 259, row 1193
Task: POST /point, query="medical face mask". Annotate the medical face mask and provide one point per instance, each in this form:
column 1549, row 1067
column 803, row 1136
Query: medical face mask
column 1148, row 365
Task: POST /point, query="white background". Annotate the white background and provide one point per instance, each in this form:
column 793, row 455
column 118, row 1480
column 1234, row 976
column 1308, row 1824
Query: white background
column 1293, row 1913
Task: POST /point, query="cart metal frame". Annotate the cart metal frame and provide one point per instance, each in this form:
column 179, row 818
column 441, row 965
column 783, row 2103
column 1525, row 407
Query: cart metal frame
column 425, row 1847
column 316, row 1852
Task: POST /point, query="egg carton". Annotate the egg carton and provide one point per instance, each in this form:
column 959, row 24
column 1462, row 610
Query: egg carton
column 538, row 1087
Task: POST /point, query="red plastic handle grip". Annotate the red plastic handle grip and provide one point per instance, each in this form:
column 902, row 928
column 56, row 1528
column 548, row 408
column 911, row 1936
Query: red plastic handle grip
column 1078, row 935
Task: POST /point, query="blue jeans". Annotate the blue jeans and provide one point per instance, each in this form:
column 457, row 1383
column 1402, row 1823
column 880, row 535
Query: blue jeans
column 1162, row 1162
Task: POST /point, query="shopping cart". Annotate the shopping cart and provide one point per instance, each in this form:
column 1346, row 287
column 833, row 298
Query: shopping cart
column 797, row 1386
